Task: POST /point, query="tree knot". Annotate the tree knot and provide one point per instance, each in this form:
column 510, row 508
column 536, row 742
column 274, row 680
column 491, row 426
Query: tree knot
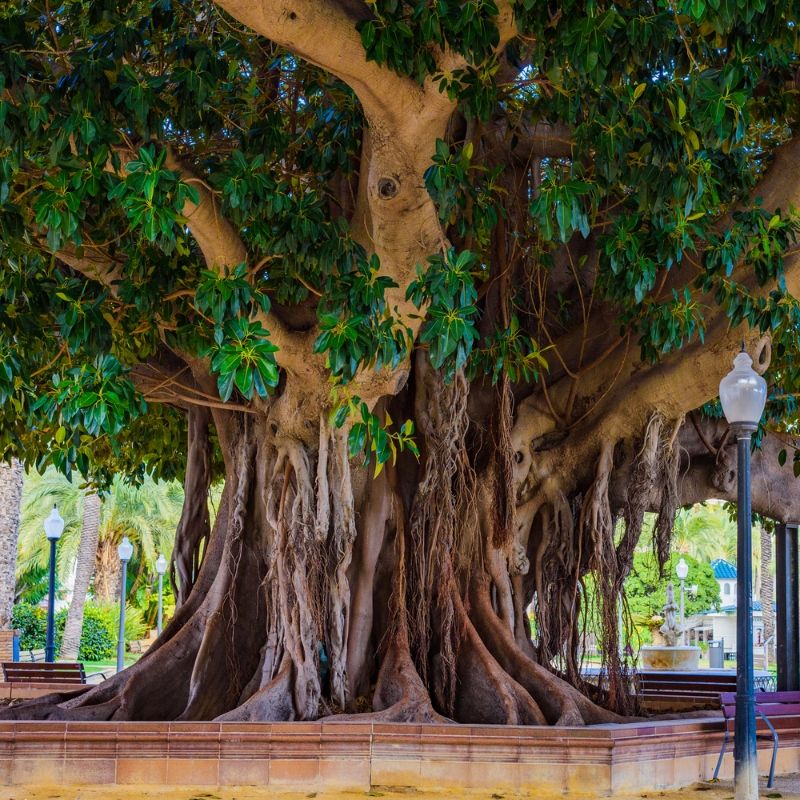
column 387, row 188
column 518, row 562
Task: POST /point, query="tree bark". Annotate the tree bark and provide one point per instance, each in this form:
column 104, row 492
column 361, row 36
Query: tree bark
column 11, row 480
column 106, row 572
column 87, row 554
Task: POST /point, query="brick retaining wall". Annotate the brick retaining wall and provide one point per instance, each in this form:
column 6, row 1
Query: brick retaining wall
column 7, row 644
column 598, row 760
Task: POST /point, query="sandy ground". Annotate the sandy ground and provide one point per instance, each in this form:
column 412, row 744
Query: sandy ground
column 786, row 787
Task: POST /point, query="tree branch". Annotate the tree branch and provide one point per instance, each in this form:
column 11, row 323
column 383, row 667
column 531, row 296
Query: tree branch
column 219, row 242
column 539, row 140
column 222, row 246
column 685, row 379
column 324, row 33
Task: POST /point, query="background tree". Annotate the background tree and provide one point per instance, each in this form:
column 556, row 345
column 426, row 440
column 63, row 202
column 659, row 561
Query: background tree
column 442, row 290
column 705, row 531
column 646, row 586
column 147, row 514
column 84, row 569
column 41, row 492
column 11, row 480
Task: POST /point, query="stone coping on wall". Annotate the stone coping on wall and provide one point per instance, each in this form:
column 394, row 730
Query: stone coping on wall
column 597, row 760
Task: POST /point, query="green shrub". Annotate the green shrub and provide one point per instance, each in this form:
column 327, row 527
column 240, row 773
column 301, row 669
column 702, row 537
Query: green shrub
column 99, row 634
column 31, row 622
column 98, row 637
column 135, row 627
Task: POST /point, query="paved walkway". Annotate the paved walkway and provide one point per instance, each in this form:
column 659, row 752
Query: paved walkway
column 787, row 787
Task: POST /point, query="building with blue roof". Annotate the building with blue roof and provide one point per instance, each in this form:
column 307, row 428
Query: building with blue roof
column 725, row 573
column 721, row 624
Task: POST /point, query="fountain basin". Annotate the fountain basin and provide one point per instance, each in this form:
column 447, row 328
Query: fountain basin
column 678, row 657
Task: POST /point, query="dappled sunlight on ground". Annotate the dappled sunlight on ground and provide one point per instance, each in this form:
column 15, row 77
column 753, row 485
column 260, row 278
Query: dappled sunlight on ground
column 788, row 787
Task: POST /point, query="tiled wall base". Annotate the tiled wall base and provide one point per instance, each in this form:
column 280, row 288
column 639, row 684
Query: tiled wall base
column 27, row 691
column 598, row 760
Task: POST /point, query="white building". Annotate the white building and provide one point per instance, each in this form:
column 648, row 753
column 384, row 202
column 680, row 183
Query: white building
column 721, row 625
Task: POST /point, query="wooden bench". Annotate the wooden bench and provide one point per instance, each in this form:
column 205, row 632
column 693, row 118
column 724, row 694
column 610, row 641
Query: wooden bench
column 45, row 672
column 687, row 686
column 770, row 706
column 36, row 656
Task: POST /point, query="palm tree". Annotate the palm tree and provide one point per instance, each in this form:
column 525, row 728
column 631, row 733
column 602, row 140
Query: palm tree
column 147, row 514
column 87, row 553
column 40, row 493
column 705, row 531
column 11, row 479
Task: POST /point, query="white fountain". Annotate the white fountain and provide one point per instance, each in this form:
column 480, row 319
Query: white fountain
column 670, row 655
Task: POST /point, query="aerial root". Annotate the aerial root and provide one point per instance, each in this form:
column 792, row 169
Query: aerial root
column 488, row 694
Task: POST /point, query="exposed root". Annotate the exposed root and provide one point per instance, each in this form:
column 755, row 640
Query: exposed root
column 670, row 466
column 271, row 703
column 340, row 555
column 194, row 527
column 643, row 481
column 291, row 513
column 400, row 695
column 381, row 507
column 443, row 524
column 560, row 703
column 487, row 693
column 504, row 501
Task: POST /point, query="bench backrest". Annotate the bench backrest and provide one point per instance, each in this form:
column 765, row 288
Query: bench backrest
column 59, row 672
column 691, row 683
column 770, row 704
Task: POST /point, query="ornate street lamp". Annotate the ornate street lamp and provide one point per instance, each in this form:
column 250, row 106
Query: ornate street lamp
column 682, row 570
column 161, row 568
column 743, row 394
column 125, row 551
column 53, row 528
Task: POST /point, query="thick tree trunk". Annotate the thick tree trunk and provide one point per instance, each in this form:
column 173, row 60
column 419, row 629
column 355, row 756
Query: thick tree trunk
column 87, row 553
column 324, row 592
column 11, row 479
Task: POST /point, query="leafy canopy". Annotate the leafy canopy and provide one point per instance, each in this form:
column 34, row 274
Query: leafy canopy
column 671, row 110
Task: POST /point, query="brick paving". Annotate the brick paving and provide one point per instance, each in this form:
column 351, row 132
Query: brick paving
column 785, row 787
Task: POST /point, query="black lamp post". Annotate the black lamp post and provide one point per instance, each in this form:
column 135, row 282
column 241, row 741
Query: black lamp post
column 125, row 552
column 743, row 393
column 53, row 528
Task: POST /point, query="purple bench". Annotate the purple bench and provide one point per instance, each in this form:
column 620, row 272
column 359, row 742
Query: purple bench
column 770, row 706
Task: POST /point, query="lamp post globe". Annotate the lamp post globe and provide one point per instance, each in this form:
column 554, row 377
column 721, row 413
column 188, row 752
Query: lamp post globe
column 161, row 568
column 54, row 525
column 125, row 552
column 53, row 528
column 743, row 395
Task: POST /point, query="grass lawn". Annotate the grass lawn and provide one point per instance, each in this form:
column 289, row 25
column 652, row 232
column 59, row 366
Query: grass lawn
column 109, row 665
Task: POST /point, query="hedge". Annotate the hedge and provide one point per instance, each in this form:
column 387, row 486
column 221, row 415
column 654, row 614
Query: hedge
column 98, row 638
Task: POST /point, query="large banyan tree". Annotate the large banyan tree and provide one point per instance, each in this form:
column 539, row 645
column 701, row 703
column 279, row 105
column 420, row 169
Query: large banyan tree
column 442, row 291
